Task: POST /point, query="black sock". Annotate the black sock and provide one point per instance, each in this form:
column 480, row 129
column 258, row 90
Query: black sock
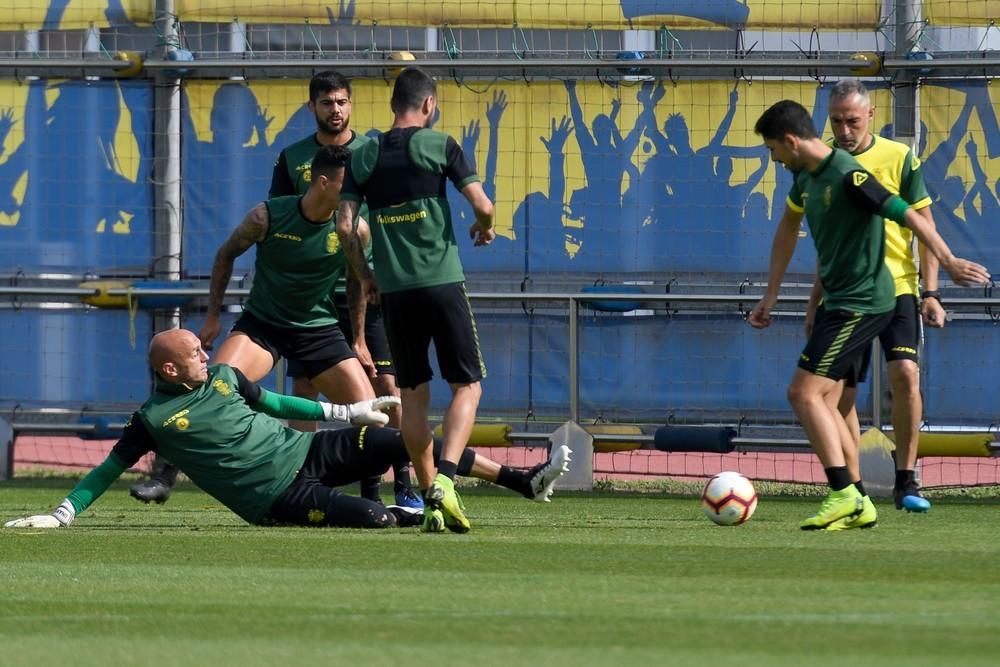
column 860, row 486
column 370, row 489
column 447, row 468
column 515, row 480
column 401, row 477
column 905, row 479
column 838, row 477
column 465, row 462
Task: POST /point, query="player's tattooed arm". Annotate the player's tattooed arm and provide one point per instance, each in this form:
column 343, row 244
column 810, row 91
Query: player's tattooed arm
column 349, row 231
column 251, row 230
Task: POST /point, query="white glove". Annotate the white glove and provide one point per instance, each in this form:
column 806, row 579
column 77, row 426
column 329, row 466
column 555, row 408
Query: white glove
column 363, row 413
column 61, row 517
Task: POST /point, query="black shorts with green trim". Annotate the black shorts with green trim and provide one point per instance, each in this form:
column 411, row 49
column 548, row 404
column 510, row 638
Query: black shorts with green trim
column 900, row 340
column 378, row 346
column 316, row 350
column 838, row 340
column 442, row 314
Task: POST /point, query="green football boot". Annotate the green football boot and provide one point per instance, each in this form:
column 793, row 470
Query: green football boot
column 444, row 497
column 837, row 505
column 867, row 519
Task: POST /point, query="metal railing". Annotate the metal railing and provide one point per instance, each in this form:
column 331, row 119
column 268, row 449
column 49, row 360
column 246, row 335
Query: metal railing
column 572, row 300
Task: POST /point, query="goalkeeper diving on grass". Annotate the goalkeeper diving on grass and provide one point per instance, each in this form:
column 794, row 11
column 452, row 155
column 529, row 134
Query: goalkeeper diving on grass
column 224, row 433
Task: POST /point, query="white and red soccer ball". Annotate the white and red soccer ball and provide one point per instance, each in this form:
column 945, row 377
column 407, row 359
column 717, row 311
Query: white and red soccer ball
column 729, row 499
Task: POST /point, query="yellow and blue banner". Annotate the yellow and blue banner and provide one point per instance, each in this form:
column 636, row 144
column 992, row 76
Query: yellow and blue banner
column 559, row 14
column 73, row 14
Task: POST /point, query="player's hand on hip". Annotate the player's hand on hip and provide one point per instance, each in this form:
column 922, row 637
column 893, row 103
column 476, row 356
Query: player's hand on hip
column 760, row 316
column 209, row 331
column 967, row 273
column 933, row 313
column 61, row 517
column 481, row 236
column 373, row 411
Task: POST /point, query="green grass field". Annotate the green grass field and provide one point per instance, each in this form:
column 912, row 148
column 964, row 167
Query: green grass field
column 602, row 579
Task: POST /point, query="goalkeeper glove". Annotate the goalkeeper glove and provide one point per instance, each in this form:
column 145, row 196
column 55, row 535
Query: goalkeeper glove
column 363, row 413
column 61, row 517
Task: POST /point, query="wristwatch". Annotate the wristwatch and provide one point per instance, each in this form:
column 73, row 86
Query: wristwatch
column 931, row 294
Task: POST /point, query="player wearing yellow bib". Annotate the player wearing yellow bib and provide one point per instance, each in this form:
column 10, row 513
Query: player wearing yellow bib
column 898, row 170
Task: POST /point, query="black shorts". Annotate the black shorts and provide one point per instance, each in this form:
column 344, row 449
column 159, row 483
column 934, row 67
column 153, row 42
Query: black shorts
column 900, row 340
column 316, row 350
column 336, row 458
column 442, row 313
column 838, row 338
column 378, row 346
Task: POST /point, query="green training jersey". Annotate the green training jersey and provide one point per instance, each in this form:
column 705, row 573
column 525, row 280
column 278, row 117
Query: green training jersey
column 402, row 176
column 242, row 458
column 842, row 203
column 898, row 170
column 297, row 265
column 293, row 174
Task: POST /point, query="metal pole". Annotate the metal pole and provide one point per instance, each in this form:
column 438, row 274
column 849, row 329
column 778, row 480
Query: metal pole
column 905, row 126
column 574, row 360
column 167, row 216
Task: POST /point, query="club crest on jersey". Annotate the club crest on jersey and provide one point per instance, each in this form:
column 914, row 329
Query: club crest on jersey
column 221, row 387
column 332, row 242
column 176, row 418
column 182, row 424
column 316, row 516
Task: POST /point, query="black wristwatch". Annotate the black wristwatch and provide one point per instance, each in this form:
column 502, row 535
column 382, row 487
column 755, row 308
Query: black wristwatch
column 931, row 294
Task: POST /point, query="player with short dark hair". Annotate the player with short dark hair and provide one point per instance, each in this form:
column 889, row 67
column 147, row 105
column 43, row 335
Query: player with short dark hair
column 222, row 430
column 844, row 206
column 898, row 169
column 402, row 177
column 330, row 103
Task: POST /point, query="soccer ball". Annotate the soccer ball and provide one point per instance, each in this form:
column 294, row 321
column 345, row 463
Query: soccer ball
column 729, row 499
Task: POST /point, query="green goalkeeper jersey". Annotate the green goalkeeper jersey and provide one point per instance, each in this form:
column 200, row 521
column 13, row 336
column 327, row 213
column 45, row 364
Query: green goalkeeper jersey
column 297, row 265
column 243, row 458
column 293, row 174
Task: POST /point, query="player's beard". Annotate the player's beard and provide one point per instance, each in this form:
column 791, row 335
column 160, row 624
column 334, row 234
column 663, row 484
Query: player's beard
column 327, row 127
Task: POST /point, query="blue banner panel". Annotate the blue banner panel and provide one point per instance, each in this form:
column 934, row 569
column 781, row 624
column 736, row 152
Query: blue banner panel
column 73, row 358
column 75, row 175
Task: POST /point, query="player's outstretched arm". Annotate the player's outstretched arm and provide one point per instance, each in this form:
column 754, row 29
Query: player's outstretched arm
column 962, row 271
column 252, row 230
column 371, row 412
column 89, row 489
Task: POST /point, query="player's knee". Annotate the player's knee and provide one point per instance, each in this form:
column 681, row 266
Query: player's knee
column 905, row 377
column 796, row 394
column 468, row 392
